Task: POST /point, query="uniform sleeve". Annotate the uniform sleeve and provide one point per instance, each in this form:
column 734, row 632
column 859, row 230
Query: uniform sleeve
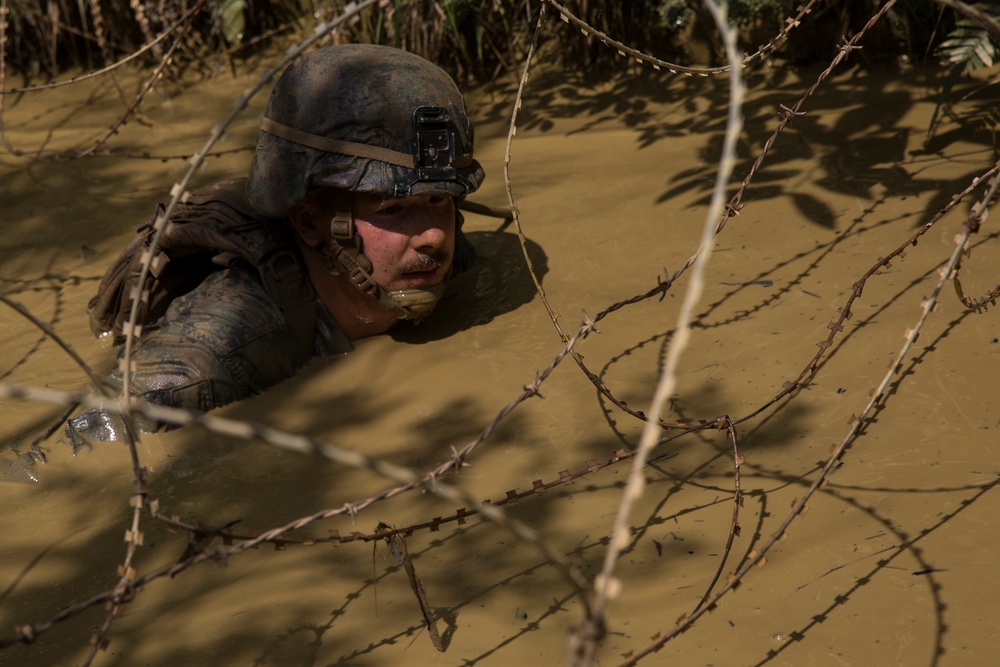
column 223, row 341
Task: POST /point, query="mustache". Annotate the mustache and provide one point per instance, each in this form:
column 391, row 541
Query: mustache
column 425, row 262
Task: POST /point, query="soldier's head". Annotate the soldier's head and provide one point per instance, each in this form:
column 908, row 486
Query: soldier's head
column 376, row 143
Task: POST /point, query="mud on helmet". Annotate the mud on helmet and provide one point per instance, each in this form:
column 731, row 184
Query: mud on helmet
column 363, row 118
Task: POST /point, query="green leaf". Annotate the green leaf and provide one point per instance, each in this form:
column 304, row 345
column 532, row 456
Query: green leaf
column 969, row 46
column 233, row 20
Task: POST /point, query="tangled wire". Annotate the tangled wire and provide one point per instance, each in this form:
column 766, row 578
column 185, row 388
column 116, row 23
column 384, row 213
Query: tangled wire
column 595, row 594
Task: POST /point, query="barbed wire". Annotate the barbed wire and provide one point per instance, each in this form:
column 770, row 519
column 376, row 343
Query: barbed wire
column 626, row 51
column 141, row 500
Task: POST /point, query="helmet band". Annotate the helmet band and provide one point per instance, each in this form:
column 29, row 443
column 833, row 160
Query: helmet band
column 327, row 145
column 363, row 151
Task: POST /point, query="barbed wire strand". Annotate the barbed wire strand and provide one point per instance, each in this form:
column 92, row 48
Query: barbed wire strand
column 977, row 216
column 757, row 557
column 584, row 642
column 95, row 380
column 4, row 12
column 302, row 445
column 732, row 208
column 644, row 58
column 126, row 401
column 129, row 588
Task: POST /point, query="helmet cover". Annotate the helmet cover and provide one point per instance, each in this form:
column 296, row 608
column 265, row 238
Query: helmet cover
column 364, row 118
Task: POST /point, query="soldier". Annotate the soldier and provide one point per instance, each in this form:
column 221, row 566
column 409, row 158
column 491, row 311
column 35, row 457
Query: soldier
column 346, row 224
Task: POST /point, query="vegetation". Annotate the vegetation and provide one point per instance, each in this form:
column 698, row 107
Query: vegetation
column 971, row 45
column 474, row 39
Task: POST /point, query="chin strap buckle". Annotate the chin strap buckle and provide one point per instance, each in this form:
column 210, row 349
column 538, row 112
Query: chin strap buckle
column 342, row 224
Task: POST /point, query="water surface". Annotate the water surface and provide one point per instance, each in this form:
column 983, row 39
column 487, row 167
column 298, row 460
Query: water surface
column 892, row 564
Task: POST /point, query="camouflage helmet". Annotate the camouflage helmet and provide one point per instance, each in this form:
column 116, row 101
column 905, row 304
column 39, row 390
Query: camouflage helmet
column 363, row 118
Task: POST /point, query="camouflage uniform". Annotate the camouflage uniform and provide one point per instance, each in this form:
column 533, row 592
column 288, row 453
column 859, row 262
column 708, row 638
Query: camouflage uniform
column 225, row 340
column 221, row 342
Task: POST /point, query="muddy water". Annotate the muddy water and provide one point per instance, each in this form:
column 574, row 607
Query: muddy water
column 892, row 564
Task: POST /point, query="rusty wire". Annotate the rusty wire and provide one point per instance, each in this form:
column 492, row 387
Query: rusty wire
column 626, row 51
column 130, row 583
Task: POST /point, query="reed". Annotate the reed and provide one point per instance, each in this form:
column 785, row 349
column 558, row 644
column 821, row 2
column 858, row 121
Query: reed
column 472, row 39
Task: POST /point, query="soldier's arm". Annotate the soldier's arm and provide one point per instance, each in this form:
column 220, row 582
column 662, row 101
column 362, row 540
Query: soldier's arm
column 224, row 341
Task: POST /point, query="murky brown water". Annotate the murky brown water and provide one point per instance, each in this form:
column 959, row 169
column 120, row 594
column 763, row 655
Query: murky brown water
column 892, row 565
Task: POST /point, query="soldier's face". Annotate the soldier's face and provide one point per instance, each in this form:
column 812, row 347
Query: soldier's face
column 410, row 240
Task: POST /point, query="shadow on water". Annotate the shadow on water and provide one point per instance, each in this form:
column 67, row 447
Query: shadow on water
column 310, row 605
column 856, row 153
column 499, row 282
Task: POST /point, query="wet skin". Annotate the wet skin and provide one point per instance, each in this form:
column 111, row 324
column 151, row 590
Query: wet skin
column 410, row 241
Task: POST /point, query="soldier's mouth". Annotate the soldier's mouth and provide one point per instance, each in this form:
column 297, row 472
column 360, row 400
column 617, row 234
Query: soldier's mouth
column 424, row 269
column 425, row 277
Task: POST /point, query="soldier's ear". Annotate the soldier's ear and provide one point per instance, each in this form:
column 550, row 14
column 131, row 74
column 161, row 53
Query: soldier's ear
column 309, row 224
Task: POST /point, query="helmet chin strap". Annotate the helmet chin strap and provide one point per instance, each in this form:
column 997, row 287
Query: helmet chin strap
column 344, row 255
